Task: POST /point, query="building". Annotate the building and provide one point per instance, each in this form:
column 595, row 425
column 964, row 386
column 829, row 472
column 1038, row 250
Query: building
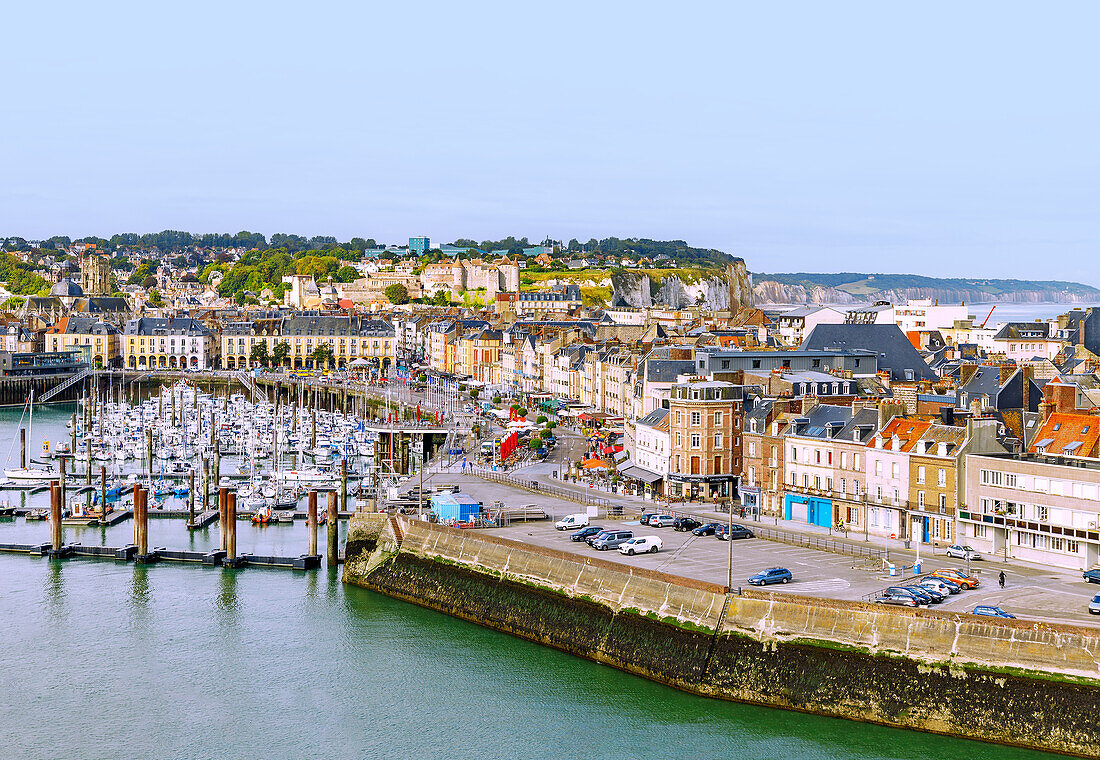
column 704, row 427
column 95, row 275
column 29, row 365
column 649, row 456
column 348, row 337
column 418, row 246
column 710, row 360
column 1035, row 508
column 97, row 341
column 168, row 343
column 460, row 275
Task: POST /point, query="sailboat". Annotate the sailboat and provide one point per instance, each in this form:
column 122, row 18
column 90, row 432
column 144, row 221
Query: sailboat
column 29, row 473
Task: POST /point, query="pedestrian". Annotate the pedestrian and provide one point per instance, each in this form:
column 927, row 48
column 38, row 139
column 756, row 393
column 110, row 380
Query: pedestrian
column 1001, row 579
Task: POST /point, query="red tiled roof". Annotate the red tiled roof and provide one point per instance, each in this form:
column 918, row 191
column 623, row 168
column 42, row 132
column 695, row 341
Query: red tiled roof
column 1071, row 434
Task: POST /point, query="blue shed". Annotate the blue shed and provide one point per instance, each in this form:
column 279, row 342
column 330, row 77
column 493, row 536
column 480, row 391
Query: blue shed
column 454, row 506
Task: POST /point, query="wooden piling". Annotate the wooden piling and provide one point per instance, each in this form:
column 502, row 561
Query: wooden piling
column 231, row 525
column 141, row 521
column 223, row 505
column 333, row 533
column 55, row 515
column 311, row 524
column 102, row 493
column 191, row 499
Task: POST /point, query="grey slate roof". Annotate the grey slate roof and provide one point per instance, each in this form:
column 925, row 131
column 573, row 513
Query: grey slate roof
column 895, row 351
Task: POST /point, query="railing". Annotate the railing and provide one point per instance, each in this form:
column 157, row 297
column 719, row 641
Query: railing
column 580, row 497
column 64, row 384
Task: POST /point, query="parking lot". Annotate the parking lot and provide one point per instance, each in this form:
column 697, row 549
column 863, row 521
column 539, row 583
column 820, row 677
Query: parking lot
column 1028, row 595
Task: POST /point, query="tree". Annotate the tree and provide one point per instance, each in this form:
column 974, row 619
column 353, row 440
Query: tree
column 534, row 444
column 155, row 299
column 474, row 392
column 540, row 419
column 346, row 274
column 397, row 293
column 149, row 282
column 280, row 351
column 259, row 354
column 322, row 354
column 441, row 298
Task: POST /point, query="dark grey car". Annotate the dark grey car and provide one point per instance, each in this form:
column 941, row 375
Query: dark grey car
column 612, row 539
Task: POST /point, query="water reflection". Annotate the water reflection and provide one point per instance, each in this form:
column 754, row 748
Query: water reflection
column 54, row 588
column 227, row 602
column 140, row 597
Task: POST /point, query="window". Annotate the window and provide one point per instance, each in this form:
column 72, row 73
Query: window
column 695, row 418
column 941, row 479
column 718, row 420
column 752, row 448
column 679, row 439
column 696, row 440
column 920, row 474
column 878, row 467
column 943, row 504
column 717, row 440
column 817, row 456
column 844, row 460
column 678, row 417
column 843, row 486
column 855, row 462
column 920, row 499
column 1042, row 514
column 794, row 454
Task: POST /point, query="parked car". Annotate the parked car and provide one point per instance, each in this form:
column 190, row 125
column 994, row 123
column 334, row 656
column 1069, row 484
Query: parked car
column 1094, row 605
column 739, row 531
column 1092, row 576
column 583, row 533
column 991, row 611
column 592, row 539
column 685, row 523
column 642, row 545
column 931, row 593
column 578, row 520
column 662, row 521
column 963, row 552
column 941, row 585
column 646, row 517
column 958, row 576
column 901, row 600
column 771, row 575
column 707, row 529
column 612, row 539
column 906, row 591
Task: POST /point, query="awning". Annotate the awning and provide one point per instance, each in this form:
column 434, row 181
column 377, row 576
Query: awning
column 642, row 474
column 594, row 464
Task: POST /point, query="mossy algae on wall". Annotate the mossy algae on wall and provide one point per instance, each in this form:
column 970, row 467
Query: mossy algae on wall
column 819, row 677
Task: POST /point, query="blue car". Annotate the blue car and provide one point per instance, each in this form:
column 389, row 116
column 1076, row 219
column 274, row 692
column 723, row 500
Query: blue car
column 584, row 533
column 771, row 575
column 990, row 611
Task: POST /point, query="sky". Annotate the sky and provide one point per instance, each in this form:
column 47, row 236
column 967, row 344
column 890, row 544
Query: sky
column 948, row 139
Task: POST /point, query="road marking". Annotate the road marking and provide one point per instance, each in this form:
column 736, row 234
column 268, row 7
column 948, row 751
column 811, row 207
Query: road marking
column 831, row 584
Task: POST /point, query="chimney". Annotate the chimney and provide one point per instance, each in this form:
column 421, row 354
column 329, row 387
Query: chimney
column 1006, row 372
column 967, row 372
column 888, row 410
column 1026, row 380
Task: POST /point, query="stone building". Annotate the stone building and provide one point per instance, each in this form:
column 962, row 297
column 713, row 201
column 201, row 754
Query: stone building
column 471, row 274
column 705, row 439
column 95, row 275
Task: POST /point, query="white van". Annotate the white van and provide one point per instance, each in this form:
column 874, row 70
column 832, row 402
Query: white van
column 572, row 522
column 642, row 545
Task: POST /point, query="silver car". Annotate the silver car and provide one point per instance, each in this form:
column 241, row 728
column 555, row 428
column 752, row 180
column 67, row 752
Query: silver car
column 963, row 552
column 1094, row 605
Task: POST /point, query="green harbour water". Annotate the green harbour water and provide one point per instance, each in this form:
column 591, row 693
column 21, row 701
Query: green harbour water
column 106, row 660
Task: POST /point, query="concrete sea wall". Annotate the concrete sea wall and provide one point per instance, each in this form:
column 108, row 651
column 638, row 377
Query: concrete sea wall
column 1013, row 682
